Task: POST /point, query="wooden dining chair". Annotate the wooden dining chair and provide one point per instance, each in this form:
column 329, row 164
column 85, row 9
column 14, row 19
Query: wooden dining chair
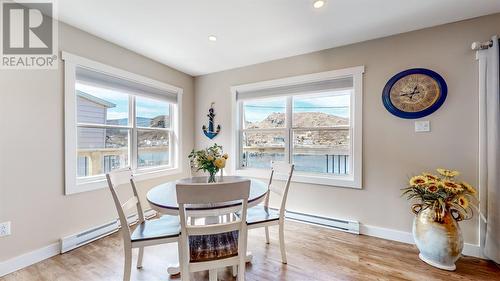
column 147, row 232
column 216, row 245
column 263, row 216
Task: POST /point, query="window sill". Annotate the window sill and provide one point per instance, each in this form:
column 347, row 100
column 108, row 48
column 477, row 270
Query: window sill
column 100, row 182
column 301, row 177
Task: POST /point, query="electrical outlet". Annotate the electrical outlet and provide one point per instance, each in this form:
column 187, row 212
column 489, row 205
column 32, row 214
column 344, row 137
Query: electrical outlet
column 5, row 229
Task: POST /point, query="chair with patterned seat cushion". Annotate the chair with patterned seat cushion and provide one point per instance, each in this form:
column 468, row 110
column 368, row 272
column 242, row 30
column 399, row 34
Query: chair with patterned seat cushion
column 213, row 244
column 166, row 229
column 263, row 216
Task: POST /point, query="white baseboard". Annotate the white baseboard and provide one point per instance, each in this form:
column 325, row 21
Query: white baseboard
column 407, row 237
column 74, row 241
column 28, row 259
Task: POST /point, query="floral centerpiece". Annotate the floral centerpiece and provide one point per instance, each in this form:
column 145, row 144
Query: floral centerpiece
column 210, row 160
column 442, row 201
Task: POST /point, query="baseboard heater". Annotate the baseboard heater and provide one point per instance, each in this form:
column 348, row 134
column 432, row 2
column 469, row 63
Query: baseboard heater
column 338, row 224
column 74, row 241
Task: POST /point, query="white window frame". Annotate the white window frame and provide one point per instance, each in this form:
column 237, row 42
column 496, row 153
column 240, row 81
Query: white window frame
column 76, row 185
column 354, row 179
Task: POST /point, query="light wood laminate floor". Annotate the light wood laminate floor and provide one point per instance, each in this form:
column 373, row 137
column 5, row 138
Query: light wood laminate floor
column 314, row 253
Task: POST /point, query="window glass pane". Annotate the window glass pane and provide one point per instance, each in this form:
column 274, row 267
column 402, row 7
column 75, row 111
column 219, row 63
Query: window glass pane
column 153, row 148
column 260, row 148
column 101, row 106
column 321, row 151
column 264, row 113
column 101, row 150
column 321, row 110
column 152, row 113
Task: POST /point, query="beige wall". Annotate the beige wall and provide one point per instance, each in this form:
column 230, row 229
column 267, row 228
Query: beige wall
column 32, row 146
column 392, row 151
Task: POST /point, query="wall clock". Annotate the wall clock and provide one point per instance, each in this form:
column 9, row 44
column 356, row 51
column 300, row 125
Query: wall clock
column 414, row 93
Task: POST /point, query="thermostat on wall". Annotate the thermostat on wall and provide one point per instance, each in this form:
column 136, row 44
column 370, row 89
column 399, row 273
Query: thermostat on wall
column 422, row 126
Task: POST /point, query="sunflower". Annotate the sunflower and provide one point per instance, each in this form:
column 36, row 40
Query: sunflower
column 463, row 201
column 432, row 188
column 452, row 187
column 418, row 180
column 469, row 188
column 430, row 177
column 448, row 173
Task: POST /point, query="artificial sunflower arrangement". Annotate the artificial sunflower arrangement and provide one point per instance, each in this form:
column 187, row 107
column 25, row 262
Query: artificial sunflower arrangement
column 443, row 193
column 209, row 160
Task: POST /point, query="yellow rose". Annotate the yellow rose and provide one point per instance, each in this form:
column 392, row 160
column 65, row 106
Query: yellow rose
column 210, row 158
column 220, row 163
column 225, row 156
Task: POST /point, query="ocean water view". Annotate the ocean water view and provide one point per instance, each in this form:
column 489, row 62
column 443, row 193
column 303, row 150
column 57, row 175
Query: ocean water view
column 335, row 164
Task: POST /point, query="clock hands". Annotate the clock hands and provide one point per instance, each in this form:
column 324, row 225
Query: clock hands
column 410, row 95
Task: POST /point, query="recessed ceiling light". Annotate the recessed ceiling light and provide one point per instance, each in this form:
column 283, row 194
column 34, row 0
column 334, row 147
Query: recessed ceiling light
column 212, row 38
column 318, row 4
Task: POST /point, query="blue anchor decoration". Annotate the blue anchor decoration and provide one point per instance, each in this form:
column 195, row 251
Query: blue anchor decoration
column 210, row 133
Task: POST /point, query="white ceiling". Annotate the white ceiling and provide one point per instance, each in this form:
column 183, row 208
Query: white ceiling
column 253, row 31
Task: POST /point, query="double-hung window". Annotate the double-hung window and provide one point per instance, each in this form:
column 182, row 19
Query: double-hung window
column 312, row 121
column 115, row 119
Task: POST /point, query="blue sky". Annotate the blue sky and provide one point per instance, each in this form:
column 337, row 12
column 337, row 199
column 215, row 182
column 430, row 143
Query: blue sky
column 330, row 103
column 148, row 108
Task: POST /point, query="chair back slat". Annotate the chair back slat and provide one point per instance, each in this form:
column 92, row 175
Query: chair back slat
column 120, row 176
column 131, row 203
column 281, row 168
column 277, row 189
column 214, row 229
column 212, row 193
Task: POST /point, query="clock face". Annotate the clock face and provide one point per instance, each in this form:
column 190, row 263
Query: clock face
column 414, row 93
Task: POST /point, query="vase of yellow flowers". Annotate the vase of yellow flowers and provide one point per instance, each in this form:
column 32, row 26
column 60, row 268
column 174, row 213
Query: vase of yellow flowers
column 442, row 202
column 210, row 160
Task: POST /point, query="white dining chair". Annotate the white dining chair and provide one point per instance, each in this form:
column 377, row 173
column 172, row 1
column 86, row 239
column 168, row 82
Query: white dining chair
column 199, row 251
column 263, row 216
column 147, row 232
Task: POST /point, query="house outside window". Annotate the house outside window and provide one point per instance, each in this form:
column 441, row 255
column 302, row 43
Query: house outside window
column 312, row 121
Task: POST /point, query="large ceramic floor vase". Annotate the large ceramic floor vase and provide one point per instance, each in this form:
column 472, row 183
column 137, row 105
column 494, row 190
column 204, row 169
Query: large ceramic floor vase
column 438, row 237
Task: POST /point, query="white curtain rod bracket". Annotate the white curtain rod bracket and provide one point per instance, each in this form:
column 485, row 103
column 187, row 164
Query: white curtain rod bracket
column 481, row 45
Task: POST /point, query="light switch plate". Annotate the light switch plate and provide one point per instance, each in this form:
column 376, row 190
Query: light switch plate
column 423, row 126
column 5, row 229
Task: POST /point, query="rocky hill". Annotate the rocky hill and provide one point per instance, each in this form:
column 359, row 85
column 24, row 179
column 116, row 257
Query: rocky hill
column 305, row 141
column 300, row 119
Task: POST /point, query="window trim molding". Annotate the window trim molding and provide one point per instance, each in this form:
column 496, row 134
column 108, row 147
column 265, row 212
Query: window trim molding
column 71, row 62
column 352, row 181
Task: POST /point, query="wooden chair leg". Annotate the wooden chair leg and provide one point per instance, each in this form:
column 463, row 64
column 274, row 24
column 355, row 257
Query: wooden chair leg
column 212, row 274
column 267, row 234
column 282, row 242
column 139, row 257
column 127, row 266
column 241, row 270
column 235, row 270
column 183, row 262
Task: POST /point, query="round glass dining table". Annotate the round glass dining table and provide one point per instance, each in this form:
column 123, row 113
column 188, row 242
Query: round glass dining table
column 163, row 199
